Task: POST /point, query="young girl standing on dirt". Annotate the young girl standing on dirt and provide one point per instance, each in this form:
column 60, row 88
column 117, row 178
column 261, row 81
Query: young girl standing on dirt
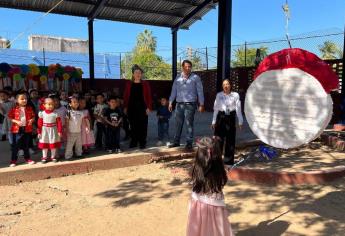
column 207, row 210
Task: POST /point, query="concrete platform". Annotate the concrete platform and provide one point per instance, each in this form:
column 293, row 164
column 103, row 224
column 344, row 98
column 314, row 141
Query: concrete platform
column 303, row 166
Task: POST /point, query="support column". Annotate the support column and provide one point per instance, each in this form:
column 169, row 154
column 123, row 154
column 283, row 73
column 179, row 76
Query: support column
column 91, row 55
column 343, row 71
column 224, row 41
column 174, row 54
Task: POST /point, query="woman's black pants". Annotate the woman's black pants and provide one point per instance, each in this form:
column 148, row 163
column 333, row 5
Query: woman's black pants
column 226, row 130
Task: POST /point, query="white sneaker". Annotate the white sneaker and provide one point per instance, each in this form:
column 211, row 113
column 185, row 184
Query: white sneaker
column 110, row 151
column 159, row 143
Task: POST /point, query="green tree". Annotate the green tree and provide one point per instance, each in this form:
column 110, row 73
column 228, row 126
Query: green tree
column 195, row 57
column 247, row 56
column 144, row 54
column 329, row 50
column 146, row 42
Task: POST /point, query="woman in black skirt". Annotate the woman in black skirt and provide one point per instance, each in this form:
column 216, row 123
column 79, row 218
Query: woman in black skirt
column 137, row 105
column 226, row 106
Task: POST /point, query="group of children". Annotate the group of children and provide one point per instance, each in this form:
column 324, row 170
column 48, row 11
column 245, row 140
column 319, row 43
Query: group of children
column 66, row 125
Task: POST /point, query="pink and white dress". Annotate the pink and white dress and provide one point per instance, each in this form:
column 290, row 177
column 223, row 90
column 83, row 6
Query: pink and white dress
column 208, row 216
column 49, row 125
column 87, row 138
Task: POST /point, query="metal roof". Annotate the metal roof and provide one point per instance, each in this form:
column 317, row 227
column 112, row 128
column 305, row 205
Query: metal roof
column 165, row 13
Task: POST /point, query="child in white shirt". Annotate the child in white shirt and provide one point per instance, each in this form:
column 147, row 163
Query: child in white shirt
column 74, row 121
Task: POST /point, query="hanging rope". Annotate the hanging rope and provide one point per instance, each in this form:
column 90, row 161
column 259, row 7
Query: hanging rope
column 32, row 25
column 286, row 10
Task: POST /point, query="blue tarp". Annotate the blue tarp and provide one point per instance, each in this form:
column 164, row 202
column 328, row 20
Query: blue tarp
column 106, row 66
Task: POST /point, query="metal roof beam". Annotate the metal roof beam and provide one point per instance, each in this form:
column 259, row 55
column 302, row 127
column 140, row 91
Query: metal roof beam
column 45, row 9
column 188, row 3
column 168, row 12
column 191, row 14
column 130, row 8
column 97, row 9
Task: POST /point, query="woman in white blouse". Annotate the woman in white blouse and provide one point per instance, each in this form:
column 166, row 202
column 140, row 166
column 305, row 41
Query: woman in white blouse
column 226, row 106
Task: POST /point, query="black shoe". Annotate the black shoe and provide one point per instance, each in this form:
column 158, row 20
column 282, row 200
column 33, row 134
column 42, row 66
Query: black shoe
column 86, row 152
column 3, row 138
column 132, row 145
column 173, row 145
column 189, row 147
column 142, row 146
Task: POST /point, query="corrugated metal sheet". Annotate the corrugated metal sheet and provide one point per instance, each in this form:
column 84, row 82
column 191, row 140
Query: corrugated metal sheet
column 166, row 13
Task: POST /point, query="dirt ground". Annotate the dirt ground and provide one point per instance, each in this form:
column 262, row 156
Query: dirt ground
column 311, row 157
column 153, row 199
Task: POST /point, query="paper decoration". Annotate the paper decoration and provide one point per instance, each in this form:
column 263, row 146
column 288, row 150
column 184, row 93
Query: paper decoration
column 288, row 104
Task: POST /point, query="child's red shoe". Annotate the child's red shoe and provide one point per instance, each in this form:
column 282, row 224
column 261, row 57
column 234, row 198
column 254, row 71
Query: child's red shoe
column 30, row 162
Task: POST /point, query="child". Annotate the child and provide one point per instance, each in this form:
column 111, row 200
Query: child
column 163, row 115
column 125, row 121
column 87, row 137
column 22, row 118
column 113, row 118
column 49, row 130
column 74, row 120
column 207, row 210
column 98, row 111
column 61, row 111
column 64, row 99
column 5, row 106
column 34, row 99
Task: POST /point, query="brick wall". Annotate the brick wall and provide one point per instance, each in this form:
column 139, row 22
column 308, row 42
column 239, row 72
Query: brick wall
column 240, row 77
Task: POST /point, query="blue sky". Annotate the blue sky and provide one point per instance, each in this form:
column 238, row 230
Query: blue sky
column 252, row 20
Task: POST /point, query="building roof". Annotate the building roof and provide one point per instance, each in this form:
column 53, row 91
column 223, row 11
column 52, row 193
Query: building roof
column 165, row 13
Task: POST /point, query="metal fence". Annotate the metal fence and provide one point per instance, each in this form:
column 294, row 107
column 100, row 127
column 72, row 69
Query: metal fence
column 327, row 44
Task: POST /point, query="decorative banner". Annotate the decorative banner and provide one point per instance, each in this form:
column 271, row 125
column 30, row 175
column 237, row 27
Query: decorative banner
column 17, row 77
column 288, row 104
column 66, row 76
column 20, row 76
column 5, row 68
column 25, row 69
column 34, row 69
column 43, row 79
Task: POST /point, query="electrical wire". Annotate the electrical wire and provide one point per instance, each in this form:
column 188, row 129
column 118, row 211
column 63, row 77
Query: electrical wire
column 33, row 24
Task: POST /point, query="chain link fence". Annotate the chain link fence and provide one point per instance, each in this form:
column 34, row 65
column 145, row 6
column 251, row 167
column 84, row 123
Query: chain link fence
column 327, row 44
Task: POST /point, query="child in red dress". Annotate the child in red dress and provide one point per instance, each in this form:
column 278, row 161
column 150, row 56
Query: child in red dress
column 49, row 130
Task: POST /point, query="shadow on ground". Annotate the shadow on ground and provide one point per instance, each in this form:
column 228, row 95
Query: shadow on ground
column 141, row 190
